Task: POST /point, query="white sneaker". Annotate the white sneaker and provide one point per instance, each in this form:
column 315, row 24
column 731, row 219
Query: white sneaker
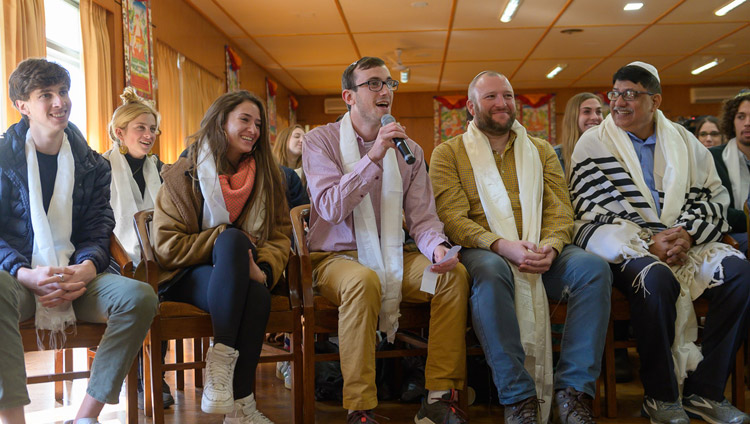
column 246, row 412
column 284, row 372
column 218, row 394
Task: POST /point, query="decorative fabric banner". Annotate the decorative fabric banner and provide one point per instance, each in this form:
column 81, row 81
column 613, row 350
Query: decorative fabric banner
column 271, row 88
column 293, row 105
column 139, row 58
column 234, row 63
column 450, row 117
column 536, row 112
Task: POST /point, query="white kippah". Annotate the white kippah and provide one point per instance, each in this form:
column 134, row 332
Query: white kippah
column 650, row 68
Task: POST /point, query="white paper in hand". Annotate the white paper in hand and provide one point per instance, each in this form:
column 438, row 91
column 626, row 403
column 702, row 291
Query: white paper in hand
column 429, row 278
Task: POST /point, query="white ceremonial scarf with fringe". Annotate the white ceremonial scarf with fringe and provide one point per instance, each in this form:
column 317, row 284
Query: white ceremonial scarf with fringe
column 215, row 209
column 126, row 199
column 739, row 175
column 532, row 309
column 616, row 213
column 384, row 252
column 52, row 231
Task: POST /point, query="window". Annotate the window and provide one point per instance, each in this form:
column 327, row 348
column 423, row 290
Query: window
column 63, row 27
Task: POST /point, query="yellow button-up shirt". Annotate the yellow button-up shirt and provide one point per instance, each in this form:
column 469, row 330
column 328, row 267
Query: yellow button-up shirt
column 459, row 206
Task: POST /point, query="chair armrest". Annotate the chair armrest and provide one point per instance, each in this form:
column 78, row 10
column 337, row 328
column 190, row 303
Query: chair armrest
column 120, row 256
column 727, row 239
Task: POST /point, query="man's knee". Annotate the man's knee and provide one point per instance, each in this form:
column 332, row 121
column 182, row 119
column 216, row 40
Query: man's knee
column 456, row 282
column 597, row 277
column 140, row 299
column 363, row 286
column 660, row 284
column 490, row 275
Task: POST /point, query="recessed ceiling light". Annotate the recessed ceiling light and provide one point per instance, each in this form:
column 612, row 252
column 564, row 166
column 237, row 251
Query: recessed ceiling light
column 706, row 67
column 510, row 10
column 633, row 6
column 723, row 10
column 419, row 4
column 553, row 73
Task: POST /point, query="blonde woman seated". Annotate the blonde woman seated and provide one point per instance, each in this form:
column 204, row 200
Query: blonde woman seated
column 222, row 231
column 288, row 148
column 583, row 111
column 135, row 182
column 135, row 170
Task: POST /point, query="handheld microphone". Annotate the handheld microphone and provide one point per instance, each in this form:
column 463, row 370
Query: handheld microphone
column 401, row 145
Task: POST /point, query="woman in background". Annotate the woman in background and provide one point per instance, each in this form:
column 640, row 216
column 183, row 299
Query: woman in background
column 222, row 234
column 135, row 182
column 708, row 133
column 583, row 111
column 288, row 148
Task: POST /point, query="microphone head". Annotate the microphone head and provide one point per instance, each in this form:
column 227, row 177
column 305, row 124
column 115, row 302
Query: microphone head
column 387, row 119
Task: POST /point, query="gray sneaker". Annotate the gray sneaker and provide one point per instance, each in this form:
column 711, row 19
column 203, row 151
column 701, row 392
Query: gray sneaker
column 714, row 412
column 524, row 412
column 660, row 412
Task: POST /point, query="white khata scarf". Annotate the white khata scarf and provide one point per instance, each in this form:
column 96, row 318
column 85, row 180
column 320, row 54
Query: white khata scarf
column 616, row 213
column 126, row 198
column 215, row 209
column 739, row 175
column 52, row 231
column 532, row 309
column 383, row 254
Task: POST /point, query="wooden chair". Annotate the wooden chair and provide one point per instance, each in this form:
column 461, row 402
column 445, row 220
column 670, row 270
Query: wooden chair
column 177, row 321
column 87, row 335
column 320, row 317
column 621, row 312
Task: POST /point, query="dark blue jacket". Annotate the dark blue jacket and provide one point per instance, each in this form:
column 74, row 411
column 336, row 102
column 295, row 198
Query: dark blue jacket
column 93, row 220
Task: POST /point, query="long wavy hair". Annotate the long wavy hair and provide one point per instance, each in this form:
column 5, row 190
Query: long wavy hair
column 281, row 148
column 212, row 134
column 570, row 131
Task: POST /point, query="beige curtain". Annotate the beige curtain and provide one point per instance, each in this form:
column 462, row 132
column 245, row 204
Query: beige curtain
column 199, row 90
column 22, row 37
column 172, row 138
column 97, row 66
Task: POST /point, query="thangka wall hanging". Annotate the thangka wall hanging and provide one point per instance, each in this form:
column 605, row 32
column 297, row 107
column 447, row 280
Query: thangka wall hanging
column 293, row 105
column 536, row 112
column 137, row 37
column 234, row 62
column 450, row 117
column 271, row 88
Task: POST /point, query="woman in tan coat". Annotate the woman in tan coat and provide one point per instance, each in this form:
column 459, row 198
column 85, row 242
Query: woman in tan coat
column 222, row 231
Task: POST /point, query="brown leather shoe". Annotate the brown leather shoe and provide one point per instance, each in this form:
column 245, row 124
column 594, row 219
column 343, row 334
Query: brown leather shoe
column 523, row 412
column 574, row 407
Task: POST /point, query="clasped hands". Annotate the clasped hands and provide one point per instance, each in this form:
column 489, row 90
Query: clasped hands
column 57, row 285
column 671, row 245
column 527, row 256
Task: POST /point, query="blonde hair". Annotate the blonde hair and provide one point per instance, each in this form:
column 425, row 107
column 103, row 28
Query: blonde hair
column 212, row 134
column 281, row 148
column 570, row 131
column 132, row 107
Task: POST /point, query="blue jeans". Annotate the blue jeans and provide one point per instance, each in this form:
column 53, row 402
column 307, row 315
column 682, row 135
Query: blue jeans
column 580, row 279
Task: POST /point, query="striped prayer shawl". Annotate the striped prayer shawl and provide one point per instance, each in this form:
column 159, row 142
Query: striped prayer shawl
column 615, row 215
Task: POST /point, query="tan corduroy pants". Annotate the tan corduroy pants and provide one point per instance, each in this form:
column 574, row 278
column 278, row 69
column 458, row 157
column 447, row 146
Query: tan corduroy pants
column 356, row 290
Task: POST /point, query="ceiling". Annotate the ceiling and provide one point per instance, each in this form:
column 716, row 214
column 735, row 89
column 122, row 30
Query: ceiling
column 306, row 44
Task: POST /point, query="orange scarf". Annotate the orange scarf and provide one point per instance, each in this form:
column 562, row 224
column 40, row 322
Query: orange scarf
column 237, row 187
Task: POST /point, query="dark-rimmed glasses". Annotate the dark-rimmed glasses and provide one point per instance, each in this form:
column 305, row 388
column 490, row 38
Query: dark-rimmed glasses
column 627, row 95
column 377, row 85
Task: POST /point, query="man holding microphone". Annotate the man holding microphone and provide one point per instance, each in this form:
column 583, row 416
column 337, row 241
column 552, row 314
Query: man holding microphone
column 360, row 189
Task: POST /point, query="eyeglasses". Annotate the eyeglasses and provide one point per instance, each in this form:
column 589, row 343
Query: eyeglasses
column 706, row 134
column 627, row 95
column 377, row 85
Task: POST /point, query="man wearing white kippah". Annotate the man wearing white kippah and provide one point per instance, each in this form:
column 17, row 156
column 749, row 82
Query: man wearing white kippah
column 648, row 199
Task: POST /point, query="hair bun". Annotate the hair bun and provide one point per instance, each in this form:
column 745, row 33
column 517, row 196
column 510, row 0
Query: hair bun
column 129, row 96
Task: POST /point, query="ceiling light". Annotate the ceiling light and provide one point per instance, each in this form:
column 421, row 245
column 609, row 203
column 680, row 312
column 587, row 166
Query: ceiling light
column 723, row 10
column 405, row 74
column 633, row 6
column 553, row 73
column 707, row 66
column 510, row 10
column 418, row 4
